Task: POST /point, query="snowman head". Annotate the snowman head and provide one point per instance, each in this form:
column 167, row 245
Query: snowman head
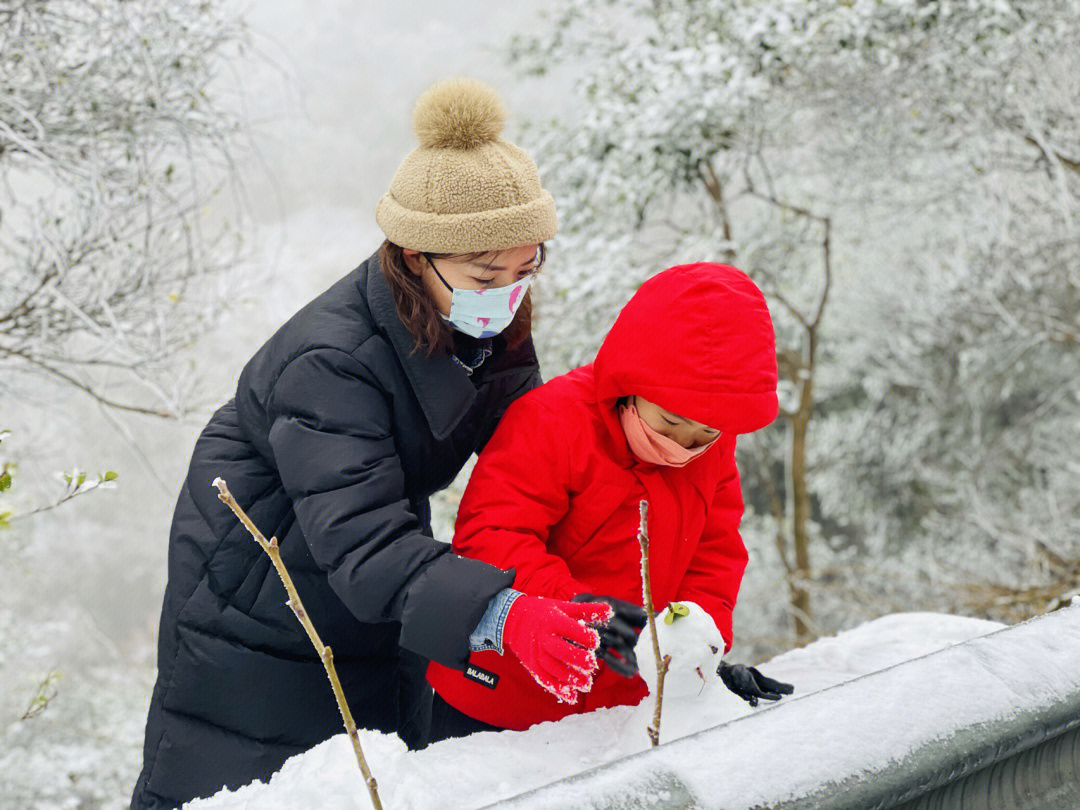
column 689, row 635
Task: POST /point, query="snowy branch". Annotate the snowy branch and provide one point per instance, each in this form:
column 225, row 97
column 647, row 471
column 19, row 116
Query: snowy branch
column 324, row 652
column 646, row 584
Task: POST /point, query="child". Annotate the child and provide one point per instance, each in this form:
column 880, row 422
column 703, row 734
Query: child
column 689, row 364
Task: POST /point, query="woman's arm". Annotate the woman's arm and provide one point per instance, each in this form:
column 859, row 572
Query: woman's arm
column 715, row 571
column 519, row 489
column 331, row 435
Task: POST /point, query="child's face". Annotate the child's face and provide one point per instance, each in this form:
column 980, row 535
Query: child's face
column 686, row 432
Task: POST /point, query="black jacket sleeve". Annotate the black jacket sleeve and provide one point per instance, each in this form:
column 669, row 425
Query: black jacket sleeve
column 331, row 436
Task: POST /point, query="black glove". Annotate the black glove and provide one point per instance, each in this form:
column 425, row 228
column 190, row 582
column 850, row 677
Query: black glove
column 618, row 638
column 750, row 685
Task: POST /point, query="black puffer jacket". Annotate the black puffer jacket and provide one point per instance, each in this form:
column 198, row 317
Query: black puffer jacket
column 336, row 437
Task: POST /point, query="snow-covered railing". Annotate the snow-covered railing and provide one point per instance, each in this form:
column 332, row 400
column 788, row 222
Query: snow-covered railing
column 990, row 723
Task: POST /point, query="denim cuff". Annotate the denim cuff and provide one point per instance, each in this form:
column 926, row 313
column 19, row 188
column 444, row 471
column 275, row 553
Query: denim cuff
column 488, row 635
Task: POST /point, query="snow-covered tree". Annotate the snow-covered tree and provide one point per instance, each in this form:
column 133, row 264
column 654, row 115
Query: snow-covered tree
column 968, row 407
column 116, row 136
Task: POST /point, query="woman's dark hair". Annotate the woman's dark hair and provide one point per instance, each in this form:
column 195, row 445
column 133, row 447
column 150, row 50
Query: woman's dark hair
column 416, row 310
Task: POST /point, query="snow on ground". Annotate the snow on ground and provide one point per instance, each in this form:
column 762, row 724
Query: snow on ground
column 485, row 768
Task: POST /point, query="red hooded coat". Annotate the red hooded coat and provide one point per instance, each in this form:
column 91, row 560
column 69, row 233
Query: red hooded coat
column 555, row 493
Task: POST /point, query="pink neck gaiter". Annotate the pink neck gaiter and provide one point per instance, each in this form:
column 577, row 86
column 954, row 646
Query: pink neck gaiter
column 653, row 447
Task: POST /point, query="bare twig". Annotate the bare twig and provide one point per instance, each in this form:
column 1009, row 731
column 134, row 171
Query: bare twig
column 1023, row 602
column 661, row 663
column 86, row 389
column 325, row 654
column 715, row 188
column 826, row 251
column 804, row 369
column 791, row 308
column 1067, row 162
column 75, row 488
column 44, row 693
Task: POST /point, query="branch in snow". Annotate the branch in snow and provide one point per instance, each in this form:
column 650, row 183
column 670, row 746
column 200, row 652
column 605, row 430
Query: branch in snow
column 297, row 607
column 661, row 663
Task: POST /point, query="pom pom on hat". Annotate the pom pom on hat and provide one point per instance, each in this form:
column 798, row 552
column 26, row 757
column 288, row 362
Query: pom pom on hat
column 458, row 114
column 464, row 189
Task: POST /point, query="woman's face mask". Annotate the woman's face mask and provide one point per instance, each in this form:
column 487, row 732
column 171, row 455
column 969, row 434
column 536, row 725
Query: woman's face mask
column 484, row 313
column 652, row 446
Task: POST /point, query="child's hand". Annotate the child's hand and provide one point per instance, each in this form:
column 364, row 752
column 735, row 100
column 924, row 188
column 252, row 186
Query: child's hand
column 553, row 643
column 750, row 685
column 619, row 637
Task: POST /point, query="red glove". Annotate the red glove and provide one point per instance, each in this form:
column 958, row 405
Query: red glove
column 553, row 643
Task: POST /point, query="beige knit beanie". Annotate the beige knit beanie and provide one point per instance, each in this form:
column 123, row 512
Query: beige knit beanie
column 464, row 189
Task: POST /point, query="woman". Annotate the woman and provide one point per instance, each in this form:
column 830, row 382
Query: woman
column 364, row 403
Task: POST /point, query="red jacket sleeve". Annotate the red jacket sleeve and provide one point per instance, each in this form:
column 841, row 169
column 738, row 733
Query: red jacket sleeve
column 518, row 490
column 715, row 571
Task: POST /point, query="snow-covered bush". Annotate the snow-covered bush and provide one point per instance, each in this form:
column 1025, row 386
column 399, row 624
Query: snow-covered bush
column 116, row 138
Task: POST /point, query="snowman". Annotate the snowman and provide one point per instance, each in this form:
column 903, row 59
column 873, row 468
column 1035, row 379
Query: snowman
column 694, row 696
